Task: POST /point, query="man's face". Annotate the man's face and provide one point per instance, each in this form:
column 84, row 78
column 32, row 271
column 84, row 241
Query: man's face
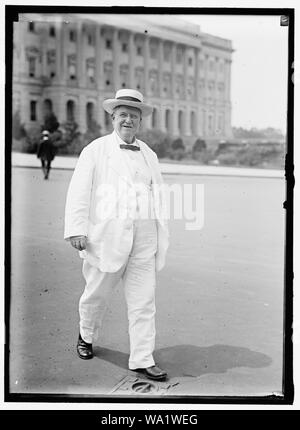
column 126, row 122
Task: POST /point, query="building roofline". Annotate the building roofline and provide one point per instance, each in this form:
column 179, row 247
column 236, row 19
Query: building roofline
column 185, row 33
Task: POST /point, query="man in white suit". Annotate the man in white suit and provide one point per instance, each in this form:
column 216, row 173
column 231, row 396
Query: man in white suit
column 115, row 217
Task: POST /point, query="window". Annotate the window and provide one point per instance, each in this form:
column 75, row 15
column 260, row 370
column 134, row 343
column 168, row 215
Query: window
column 52, row 31
column 124, row 47
column 72, row 66
column 167, row 53
column 190, row 61
column 179, row 55
column 211, row 66
column 70, row 110
column 210, row 124
column 167, row 90
column 201, row 88
column 153, row 50
column 108, row 73
column 179, row 87
column 90, row 68
column 90, row 40
column 153, row 83
column 51, row 62
column 139, row 78
column 89, row 114
column 32, row 64
column 72, row 36
column 191, row 89
column 31, row 27
column 168, row 120
column 72, row 72
column 221, row 123
column 139, row 50
column 32, row 110
column 108, row 44
column 124, row 75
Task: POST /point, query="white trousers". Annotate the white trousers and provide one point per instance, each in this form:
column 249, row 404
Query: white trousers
column 139, row 281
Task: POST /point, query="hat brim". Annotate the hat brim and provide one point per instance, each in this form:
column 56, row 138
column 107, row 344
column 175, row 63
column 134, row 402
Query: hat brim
column 110, row 104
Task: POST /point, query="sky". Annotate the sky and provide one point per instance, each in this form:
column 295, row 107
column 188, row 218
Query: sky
column 259, row 66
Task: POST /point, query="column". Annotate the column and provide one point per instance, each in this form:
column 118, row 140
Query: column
column 146, row 64
column 64, row 52
column 228, row 80
column 81, row 113
column 161, row 119
column 131, row 60
column 101, row 118
column 160, row 67
column 20, row 47
column 80, row 57
column 59, row 47
column 198, row 121
column 98, row 57
column 187, row 122
column 43, row 50
column 173, row 70
column 197, row 74
column 174, row 121
column 116, row 65
column 217, row 65
column 185, row 72
column 227, row 118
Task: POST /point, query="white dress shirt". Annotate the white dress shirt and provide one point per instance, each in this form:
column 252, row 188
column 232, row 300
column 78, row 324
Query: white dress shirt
column 141, row 177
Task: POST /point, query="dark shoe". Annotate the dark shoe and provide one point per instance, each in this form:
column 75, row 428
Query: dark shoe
column 153, row 372
column 84, row 349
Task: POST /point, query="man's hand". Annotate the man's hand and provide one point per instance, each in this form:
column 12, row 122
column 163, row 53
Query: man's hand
column 78, row 242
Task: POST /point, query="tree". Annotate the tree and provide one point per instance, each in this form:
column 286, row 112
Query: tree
column 50, row 122
column 18, row 129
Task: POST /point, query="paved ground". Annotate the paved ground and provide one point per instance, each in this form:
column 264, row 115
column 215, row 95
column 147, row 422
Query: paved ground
column 219, row 299
column 61, row 162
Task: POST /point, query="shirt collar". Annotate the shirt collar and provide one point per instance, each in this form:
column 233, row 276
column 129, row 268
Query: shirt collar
column 122, row 142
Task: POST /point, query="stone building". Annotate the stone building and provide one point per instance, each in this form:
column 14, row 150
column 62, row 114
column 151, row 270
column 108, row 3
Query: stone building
column 70, row 63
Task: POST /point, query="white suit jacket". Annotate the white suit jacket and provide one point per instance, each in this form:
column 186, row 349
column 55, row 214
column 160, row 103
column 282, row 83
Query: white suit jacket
column 101, row 196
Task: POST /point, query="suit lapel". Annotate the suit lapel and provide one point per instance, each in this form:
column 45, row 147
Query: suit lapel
column 149, row 160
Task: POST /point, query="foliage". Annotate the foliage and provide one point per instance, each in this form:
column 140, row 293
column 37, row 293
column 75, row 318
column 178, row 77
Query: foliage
column 50, row 123
column 18, row 129
column 227, row 159
column 177, row 144
column 199, row 145
column 93, row 131
column 33, row 136
column 264, row 133
column 205, row 156
column 253, row 155
column 158, row 141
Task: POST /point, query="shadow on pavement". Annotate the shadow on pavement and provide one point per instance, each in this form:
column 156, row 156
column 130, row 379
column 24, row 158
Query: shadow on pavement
column 118, row 358
column 190, row 360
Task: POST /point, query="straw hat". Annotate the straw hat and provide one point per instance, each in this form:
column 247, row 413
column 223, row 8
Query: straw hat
column 128, row 97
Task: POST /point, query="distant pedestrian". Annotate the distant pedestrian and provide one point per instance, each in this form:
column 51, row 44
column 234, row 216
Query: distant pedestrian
column 46, row 152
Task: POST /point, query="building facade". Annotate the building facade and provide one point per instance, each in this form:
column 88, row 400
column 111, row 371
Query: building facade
column 70, row 63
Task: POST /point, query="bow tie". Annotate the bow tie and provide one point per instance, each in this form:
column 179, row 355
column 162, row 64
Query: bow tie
column 131, row 147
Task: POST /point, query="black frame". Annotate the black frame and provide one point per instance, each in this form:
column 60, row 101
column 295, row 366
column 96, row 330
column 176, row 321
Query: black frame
column 11, row 15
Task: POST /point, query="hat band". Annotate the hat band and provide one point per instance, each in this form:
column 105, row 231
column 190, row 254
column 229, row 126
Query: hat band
column 131, row 99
